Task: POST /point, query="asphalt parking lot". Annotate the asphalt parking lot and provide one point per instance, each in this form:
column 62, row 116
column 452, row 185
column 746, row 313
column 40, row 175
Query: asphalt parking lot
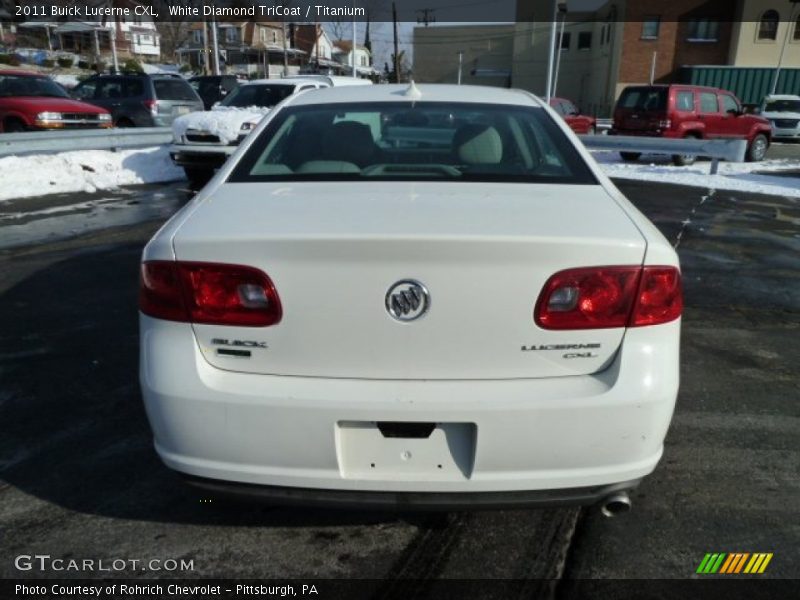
column 79, row 477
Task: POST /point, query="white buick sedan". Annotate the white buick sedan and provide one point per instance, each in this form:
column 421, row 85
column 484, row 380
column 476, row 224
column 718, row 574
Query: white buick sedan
column 418, row 296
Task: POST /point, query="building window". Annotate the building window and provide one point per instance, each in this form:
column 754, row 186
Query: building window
column 584, row 40
column 703, row 30
column 274, row 37
column 565, row 40
column 231, row 34
column 768, row 26
column 650, row 27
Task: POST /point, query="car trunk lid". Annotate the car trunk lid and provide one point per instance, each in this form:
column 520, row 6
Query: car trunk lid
column 483, row 251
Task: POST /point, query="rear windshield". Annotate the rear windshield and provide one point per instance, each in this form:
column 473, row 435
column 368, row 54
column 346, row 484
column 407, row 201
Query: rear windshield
column 173, row 89
column 786, row 105
column 258, row 95
column 421, row 141
column 646, row 98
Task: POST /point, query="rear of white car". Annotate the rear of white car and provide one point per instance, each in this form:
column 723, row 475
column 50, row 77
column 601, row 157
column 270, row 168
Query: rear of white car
column 455, row 323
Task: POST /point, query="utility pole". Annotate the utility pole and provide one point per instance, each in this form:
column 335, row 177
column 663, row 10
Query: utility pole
column 206, row 55
column 316, row 40
column 563, row 14
column 653, row 68
column 214, row 44
column 114, row 46
column 460, row 62
column 783, row 47
column 425, row 16
column 355, row 74
column 396, row 50
column 551, row 58
column 285, row 50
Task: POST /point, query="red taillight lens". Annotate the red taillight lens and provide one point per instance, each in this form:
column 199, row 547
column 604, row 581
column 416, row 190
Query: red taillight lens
column 160, row 291
column 210, row 293
column 660, row 297
column 606, row 297
column 152, row 106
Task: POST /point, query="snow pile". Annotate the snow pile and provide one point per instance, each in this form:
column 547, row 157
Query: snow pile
column 160, row 69
column 744, row 176
column 223, row 121
column 83, row 171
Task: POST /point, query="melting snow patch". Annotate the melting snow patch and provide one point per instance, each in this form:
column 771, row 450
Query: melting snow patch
column 83, row 171
column 745, row 177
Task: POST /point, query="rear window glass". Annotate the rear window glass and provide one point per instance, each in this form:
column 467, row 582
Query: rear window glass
column 644, row 99
column 173, row 89
column 258, row 95
column 402, row 142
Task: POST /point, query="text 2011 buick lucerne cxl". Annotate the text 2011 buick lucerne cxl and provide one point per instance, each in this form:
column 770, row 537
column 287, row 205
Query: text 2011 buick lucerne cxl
column 423, row 296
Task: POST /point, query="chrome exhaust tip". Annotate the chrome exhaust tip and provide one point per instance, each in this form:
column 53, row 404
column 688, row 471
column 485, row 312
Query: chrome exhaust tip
column 616, row 504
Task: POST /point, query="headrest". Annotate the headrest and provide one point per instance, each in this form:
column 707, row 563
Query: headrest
column 478, row 144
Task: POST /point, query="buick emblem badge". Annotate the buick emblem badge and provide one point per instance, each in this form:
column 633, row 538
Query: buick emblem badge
column 407, row 300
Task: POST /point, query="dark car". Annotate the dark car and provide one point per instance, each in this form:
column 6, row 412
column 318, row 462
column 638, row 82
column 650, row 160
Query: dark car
column 31, row 101
column 579, row 123
column 139, row 100
column 213, row 88
column 688, row 111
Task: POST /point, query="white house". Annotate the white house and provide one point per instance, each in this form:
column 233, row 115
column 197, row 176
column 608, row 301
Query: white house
column 343, row 53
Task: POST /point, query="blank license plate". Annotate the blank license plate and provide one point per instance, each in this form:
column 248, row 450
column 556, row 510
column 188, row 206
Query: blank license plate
column 447, row 454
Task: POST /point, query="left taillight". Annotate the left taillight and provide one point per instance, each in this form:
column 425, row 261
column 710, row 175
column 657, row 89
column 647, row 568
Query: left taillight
column 151, row 106
column 210, row 293
column 608, row 297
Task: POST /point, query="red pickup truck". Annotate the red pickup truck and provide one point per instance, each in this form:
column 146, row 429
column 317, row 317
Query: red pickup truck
column 688, row 111
column 32, row 101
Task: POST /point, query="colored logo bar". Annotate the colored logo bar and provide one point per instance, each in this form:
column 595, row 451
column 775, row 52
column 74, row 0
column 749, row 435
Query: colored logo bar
column 734, row 563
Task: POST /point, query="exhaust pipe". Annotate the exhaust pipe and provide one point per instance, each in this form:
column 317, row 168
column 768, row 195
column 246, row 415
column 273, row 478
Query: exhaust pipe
column 616, row 504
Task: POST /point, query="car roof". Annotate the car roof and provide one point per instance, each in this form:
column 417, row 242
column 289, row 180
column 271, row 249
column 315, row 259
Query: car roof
column 284, row 81
column 424, row 93
column 22, row 73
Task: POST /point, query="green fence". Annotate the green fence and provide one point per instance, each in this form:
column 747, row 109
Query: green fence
column 750, row 84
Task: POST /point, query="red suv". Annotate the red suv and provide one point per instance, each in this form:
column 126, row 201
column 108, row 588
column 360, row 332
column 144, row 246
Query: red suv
column 31, row 101
column 688, row 111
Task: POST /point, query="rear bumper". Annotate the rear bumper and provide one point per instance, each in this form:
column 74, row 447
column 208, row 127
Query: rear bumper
column 350, row 499
column 561, row 434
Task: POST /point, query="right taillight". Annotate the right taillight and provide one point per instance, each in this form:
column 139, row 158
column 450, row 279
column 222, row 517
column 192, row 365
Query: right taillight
column 608, row 297
column 660, row 297
column 211, row 293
